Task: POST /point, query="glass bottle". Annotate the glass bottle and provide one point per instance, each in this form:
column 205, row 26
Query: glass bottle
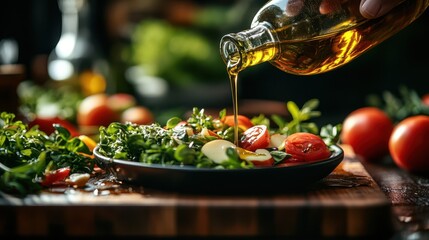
column 306, row 37
column 76, row 59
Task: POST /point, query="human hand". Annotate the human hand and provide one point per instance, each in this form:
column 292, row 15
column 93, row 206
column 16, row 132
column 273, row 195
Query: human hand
column 368, row 8
column 377, row 8
column 294, row 7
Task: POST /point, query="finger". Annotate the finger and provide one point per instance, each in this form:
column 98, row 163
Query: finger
column 293, row 7
column 377, row 8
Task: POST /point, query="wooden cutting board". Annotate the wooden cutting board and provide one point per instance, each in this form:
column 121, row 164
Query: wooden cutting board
column 347, row 203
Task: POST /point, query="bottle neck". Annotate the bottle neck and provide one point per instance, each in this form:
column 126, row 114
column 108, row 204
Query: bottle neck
column 250, row 47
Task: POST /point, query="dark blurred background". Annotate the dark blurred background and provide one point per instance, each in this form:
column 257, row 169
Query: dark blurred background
column 120, row 31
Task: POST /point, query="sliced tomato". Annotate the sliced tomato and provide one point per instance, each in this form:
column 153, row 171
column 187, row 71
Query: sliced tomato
column 179, row 125
column 243, row 122
column 208, row 132
column 55, row 177
column 256, row 137
column 306, row 147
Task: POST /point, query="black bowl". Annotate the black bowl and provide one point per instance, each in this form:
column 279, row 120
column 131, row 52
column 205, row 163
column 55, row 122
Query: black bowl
column 190, row 179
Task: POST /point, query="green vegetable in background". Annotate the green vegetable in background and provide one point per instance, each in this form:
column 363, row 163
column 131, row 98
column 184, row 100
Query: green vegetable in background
column 180, row 55
column 62, row 101
column 398, row 107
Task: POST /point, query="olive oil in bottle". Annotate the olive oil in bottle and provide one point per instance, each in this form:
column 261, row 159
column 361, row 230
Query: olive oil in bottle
column 312, row 41
column 302, row 37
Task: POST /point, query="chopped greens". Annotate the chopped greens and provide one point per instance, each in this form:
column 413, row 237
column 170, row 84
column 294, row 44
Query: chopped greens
column 180, row 141
column 172, row 145
column 27, row 153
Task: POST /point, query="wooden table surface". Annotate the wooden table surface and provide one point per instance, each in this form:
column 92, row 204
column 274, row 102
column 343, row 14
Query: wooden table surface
column 409, row 197
column 357, row 200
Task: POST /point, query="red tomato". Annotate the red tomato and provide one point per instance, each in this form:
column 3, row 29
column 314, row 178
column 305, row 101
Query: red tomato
column 306, row 147
column 256, row 137
column 408, row 144
column 425, row 99
column 94, row 110
column 243, row 121
column 138, row 115
column 265, row 163
column 367, row 131
column 99, row 116
column 121, row 101
column 55, row 177
column 46, row 125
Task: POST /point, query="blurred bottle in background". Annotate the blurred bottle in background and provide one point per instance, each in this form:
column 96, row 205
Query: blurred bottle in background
column 76, row 59
column 11, row 75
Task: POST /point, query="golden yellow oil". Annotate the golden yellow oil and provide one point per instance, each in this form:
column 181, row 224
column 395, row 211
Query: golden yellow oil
column 326, row 49
column 325, row 52
column 233, row 78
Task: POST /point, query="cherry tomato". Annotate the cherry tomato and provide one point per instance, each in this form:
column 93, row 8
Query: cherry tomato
column 425, row 99
column 306, row 147
column 138, row 114
column 367, row 130
column 256, row 137
column 408, row 144
column 94, row 111
column 46, row 125
column 55, row 177
column 243, row 122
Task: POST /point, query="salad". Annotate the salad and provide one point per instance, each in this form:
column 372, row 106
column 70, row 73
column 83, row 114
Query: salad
column 32, row 160
column 206, row 141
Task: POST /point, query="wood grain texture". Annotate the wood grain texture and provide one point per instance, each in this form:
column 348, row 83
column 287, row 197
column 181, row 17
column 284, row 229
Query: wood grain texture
column 347, row 203
column 409, row 196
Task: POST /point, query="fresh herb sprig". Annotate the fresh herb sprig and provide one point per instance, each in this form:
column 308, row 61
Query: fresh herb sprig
column 399, row 106
column 300, row 121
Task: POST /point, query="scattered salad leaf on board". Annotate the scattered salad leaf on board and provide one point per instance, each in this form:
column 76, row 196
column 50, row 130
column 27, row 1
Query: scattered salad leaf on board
column 26, row 154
